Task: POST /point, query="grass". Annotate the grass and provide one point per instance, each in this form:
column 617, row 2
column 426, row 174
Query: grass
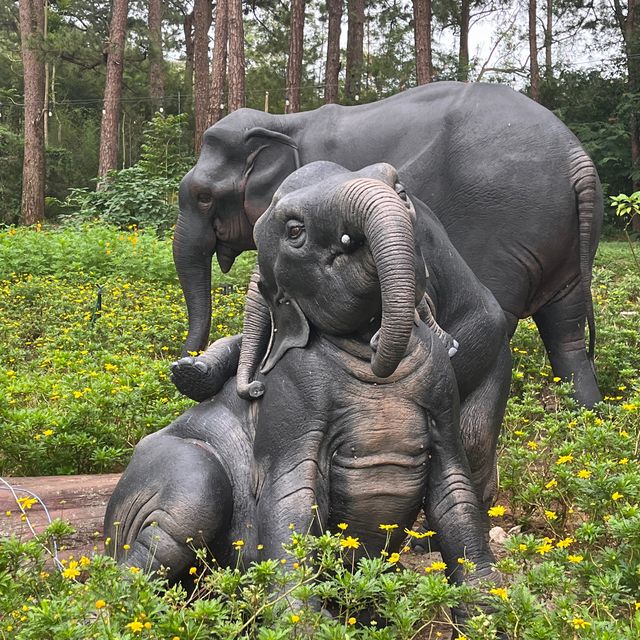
column 80, row 390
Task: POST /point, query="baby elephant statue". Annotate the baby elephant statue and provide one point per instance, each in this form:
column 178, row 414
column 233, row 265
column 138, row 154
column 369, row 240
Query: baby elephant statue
column 346, row 403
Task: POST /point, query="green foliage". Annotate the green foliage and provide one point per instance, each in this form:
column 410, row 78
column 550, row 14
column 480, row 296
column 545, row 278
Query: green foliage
column 145, row 194
column 10, row 175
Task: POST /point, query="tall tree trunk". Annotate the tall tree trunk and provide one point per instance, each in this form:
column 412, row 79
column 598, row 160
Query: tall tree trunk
column 156, row 62
column 355, row 40
column 628, row 24
column 294, row 62
column 188, row 64
column 463, row 49
column 110, row 125
column 548, row 41
column 534, row 70
column 33, row 167
column 219, row 67
column 422, row 38
column 236, row 55
column 201, row 24
column 334, row 8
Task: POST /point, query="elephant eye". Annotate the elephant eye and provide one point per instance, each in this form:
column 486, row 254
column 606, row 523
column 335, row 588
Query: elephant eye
column 295, row 231
column 205, row 198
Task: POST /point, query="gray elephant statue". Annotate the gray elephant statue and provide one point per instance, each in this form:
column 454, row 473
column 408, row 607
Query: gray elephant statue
column 516, row 193
column 346, row 406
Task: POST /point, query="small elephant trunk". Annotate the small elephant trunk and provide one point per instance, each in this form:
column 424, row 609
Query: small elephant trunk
column 375, row 209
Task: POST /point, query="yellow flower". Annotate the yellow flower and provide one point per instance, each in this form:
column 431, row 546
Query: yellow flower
column 418, row 535
column 147, row 625
column 519, row 433
column 342, row 525
column 7, row 513
column 260, row 547
column 436, row 566
column 388, row 527
column 192, row 571
column 564, row 543
column 393, row 558
column 71, row 571
column 136, row 626
column 502, row 593
column 350, row 543
column 532, row 445
column 556, row 379
column 100, row 604
column 522, row 547
column 27, row 503
column 545, row 547
column 551, row 515
column 564, row 459
column 497, row 511
column 630, row 406
column 579, row 623
column 238, row 544
column 584, row 474
column 295, row 619
column 134, row 569
column 351, row 620
column 47, row 433
column 616, row 495
column 637, row 605
column 84, row 561
column 575, row 559
column 552, row 483
column 623, row 461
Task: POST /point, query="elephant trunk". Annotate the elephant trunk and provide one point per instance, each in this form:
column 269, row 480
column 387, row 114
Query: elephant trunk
column 193, row 245
column 255, row 340
column 383, row 217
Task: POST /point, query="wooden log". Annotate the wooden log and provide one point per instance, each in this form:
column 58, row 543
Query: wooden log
column 79, row 500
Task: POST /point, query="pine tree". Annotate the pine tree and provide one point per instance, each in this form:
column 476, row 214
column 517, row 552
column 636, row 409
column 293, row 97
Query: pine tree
column 332, row 69
column 294, row 61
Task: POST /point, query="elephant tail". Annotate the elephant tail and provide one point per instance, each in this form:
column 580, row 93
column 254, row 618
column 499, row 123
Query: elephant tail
column 586, row 184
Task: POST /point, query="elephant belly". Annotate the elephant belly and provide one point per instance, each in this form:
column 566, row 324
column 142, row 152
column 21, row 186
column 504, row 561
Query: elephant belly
column 378, row 475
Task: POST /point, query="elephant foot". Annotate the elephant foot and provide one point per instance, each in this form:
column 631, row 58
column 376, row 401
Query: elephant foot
column 195, row 378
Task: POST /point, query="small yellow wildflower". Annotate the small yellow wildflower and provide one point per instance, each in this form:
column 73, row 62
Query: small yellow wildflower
column 500, row 592
column 522, row 547
column 519, row 433
column 616, row 495
column 84, row 561
column 436, row 566
column 27, row 503
column 552, row 483
column 575, row 559
column 564, row 459
column 192, row 571
column 136, row 626
column 71, row 571
column 260, row 547
column 342, row 525
column 545, row 547
column 393, row 558
column 147, row 625
column 584, row 474
column 238, row 544
column 295, row 618
column 519, row 375
column 388, row 527
column 623, row 461
column 350, row 543
column 7, row 513
column 532, row 445
column 556, row 379
column 564, row 543
column 134, row 569
column 100, row 604
column 551, row 515
column 351, row 620
column 47, row 433
column 637, row 605
column 419, row 535
column 497, row 511
column 579, row 623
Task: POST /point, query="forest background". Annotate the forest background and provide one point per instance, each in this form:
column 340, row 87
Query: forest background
column 80, row 81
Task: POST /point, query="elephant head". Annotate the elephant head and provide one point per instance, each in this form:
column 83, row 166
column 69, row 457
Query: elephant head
column 231, row 185
column 336, row 251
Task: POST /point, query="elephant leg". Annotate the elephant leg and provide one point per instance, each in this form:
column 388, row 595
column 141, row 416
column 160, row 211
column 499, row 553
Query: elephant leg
column 202, row 376
column 481, row 415
column 561, row 323
column 173, row 498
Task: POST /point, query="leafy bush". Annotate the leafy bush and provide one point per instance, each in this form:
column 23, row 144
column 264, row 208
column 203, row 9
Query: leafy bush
column 146, row 194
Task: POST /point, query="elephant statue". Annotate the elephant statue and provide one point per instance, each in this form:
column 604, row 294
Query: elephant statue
column 516, row 193
column 346, row 405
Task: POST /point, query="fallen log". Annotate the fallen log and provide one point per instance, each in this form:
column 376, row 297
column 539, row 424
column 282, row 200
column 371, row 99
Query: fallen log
column 79, row 500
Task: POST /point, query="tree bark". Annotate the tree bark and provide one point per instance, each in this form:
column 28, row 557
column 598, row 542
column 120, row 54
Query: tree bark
column 33, row 167
column 332, row 69
column 422, row 38
column 236, row 55
column 156, row 61
column 201, row 24
column 188, row 64
column 463, row 49
column 219, row 67
column 110, row 124
column 355, row 41
column 548, row 41
column 294, row 62
column 534, row 70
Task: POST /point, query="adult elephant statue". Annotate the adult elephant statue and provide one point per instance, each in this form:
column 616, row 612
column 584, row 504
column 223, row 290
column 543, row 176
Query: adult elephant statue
column 515, row 191
column 356, row 409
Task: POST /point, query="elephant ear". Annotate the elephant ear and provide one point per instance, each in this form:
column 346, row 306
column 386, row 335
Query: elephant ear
column 289, row 328
column 266, row 167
